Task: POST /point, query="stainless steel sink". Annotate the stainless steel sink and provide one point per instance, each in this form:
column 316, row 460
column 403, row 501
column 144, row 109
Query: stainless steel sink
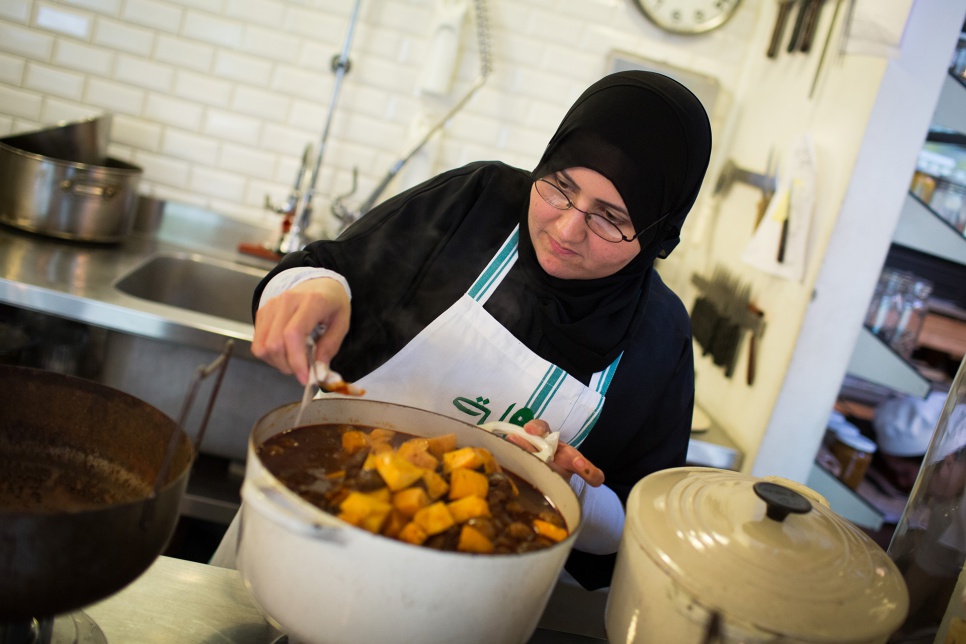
column 196, row 283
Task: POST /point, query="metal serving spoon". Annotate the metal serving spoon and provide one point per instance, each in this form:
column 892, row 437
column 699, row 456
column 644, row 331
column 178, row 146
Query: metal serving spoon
column 330, row 382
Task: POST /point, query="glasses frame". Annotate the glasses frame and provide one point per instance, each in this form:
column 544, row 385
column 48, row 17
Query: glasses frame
column 587, row 215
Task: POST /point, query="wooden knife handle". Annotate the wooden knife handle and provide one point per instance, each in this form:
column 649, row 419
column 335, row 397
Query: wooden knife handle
column 811, row 25
column 753, row 348
column 752, row 356
column 784, row 10
column 796, row 38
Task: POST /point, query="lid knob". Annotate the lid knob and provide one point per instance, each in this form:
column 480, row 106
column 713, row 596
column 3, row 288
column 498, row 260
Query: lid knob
column 781, row 501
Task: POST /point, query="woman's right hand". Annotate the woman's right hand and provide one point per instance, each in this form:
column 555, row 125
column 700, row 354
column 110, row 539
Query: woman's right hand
column 283, row 323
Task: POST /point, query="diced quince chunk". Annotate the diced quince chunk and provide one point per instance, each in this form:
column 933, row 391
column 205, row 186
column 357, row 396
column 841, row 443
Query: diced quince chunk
column 464, row 482
column 549, row 530
column 466, row 457
column 439, row 445
column 468, row 508
column 362, row 503
column 364, row 511
column 490, row 466
column 436, row 485
column 412, row 533
column 375, row 450
column 397, row 472
column 434, row 518
column 380, row 436
column 381, row 494
column 354, row 441
column 472, row 540
column 410, row 501
column 373, row 523
column 416, row 451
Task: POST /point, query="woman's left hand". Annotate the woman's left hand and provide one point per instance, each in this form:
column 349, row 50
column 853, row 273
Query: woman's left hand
column 567, row 460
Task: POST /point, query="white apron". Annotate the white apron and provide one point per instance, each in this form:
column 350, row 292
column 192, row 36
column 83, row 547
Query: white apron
column 466, row 365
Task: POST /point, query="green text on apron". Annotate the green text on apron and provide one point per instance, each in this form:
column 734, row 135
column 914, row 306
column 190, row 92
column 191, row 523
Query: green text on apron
column 467, row 366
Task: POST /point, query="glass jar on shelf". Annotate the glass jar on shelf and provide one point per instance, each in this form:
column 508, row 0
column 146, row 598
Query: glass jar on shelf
column 882, row 317
column 960, row 223
column 912, row 314
column 957, row 66
column 923, row 184
column 949, row 198
column 931, row 166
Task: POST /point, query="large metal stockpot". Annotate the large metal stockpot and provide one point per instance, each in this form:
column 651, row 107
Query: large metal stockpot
column 60, row 182
column 91, row 482
column 323, row 580
column 78, row 516
column 711, row 555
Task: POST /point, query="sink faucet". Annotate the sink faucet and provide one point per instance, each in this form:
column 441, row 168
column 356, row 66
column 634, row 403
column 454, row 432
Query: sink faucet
column 300, row 213
column 293, row 206
column 294, row 238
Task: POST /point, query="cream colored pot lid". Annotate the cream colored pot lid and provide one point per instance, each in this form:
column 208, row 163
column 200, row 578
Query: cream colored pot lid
column 811, row 575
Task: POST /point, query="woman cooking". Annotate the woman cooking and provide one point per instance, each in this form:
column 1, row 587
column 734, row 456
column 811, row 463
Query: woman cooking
column 492, row 293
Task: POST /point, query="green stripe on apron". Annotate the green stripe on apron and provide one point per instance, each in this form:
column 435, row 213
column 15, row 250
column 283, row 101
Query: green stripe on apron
column 603, row 384
column 588, row 425
column 544, row 392
column 607, row 375
column 506, row 255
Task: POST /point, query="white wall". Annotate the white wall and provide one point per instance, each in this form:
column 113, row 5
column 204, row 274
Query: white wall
column 216, row 99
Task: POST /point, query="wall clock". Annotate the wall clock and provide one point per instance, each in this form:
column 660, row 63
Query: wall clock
column 687, row 16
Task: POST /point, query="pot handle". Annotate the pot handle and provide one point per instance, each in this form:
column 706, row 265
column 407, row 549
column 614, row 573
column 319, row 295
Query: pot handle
column 780, row 501
column 546, row 445
column 276, row 505
column 804, row 490
column 79, row 189
column 218, row 367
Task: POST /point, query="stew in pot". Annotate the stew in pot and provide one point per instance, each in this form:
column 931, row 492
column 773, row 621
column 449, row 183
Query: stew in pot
column 44, row 478
column 424, row 491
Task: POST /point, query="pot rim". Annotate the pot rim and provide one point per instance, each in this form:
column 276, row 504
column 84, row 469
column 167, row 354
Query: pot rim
column 121, row 168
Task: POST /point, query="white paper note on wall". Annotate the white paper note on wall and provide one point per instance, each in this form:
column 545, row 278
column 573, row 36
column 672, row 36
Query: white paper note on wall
column 875, row 27
column 780, row 243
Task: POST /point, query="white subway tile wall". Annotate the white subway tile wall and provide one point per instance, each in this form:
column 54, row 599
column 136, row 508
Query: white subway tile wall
column 11, row 69
column 123, row 37
column 16, row 10
column 68, row 23
column 217, row 99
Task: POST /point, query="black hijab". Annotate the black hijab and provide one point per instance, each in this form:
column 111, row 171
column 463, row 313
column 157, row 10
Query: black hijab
column 650, row 136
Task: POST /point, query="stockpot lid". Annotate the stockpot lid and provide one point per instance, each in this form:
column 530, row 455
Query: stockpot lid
column 808, row 575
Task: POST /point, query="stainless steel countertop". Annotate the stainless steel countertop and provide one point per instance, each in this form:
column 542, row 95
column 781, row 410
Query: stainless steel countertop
column 187, row 602
column 75, row 280
column 712, row 447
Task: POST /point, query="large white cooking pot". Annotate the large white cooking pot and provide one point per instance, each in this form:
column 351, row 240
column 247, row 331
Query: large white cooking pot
column 711, row 555
column 322, row 580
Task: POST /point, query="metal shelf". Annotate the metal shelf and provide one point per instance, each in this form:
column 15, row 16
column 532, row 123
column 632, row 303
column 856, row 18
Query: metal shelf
column 874, row 361
column 921, row 229
column 951, row 109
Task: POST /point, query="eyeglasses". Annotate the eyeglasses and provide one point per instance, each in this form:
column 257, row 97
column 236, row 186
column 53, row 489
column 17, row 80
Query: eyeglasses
column 599, row 223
